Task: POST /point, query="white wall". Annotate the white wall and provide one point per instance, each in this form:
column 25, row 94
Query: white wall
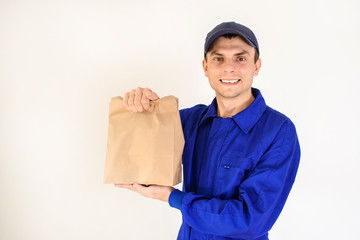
column 62, row 61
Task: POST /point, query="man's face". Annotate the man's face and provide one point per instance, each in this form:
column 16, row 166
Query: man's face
column 230, row 68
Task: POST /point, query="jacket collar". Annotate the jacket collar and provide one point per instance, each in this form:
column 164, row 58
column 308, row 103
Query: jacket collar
column 247, row 118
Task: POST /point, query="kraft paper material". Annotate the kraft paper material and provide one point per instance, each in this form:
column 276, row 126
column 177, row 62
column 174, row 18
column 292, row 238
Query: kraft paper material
column 144, row 147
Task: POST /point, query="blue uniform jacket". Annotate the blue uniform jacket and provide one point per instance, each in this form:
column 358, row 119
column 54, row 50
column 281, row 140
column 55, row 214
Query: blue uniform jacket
column 238, row 171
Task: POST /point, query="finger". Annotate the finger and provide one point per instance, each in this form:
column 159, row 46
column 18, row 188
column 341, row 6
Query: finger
column 125, row 101
column 140, row 189
column 131, row 101
column 145, row 102
column 128, row 186
column 150, row 94
column 137, row 99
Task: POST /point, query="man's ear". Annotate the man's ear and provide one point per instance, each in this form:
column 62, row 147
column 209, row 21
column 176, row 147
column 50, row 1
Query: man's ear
column 257, row 67
column 204, row 63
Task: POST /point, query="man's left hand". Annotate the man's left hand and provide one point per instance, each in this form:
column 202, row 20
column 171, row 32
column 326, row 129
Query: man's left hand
column 153, row 191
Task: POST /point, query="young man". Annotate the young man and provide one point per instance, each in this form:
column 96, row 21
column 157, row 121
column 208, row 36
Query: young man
column 240, row 156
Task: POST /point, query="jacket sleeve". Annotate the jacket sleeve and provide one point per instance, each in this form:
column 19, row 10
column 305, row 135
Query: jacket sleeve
column 261, row 196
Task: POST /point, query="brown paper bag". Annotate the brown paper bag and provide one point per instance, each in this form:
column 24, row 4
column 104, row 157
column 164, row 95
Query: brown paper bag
column 144, row 147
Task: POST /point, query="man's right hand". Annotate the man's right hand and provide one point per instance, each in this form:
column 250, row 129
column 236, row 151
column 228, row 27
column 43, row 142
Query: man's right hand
column 138, row 100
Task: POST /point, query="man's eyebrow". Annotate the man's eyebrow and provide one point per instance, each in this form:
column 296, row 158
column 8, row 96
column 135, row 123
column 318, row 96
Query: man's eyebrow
column 242, row 53
column 216, row 53
column 236, row 54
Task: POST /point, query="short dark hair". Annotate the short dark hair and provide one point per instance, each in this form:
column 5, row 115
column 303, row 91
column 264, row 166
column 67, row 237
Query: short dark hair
column 230, row 36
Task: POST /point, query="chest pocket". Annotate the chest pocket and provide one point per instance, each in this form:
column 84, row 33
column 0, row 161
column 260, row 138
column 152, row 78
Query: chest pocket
column 236, row 162
column 231, row 173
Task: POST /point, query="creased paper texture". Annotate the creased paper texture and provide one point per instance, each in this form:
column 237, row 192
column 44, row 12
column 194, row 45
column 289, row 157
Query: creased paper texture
column 144, row 147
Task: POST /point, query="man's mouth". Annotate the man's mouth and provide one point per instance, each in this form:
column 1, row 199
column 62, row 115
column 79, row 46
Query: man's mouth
column 229, row 80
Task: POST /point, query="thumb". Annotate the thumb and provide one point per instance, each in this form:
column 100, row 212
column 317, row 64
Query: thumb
column 152, row 95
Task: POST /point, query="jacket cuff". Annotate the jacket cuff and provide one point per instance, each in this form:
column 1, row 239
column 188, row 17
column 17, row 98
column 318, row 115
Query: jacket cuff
column 176, row 198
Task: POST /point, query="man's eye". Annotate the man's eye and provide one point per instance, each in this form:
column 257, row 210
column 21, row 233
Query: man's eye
column 241, row 59
column 218, row 59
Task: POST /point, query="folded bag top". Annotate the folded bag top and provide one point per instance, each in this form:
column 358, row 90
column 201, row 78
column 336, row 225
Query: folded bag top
column 144, row 147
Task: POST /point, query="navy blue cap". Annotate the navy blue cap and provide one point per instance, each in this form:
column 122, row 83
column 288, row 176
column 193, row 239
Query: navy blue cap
column 231, row 28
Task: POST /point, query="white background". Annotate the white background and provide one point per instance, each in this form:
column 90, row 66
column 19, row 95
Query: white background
column 62, row 61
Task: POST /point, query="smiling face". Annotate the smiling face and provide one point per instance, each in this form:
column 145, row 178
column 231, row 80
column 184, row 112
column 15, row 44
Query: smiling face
column 230, row 68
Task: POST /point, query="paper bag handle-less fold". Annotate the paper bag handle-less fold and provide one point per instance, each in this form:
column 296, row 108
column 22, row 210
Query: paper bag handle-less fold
column 144, row 147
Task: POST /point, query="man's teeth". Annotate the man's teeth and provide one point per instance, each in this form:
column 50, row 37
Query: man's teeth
column 229, row 81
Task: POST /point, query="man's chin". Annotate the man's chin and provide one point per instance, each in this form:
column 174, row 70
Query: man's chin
column 228, row 95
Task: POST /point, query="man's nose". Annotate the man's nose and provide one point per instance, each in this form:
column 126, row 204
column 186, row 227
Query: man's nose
column 229, row 66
